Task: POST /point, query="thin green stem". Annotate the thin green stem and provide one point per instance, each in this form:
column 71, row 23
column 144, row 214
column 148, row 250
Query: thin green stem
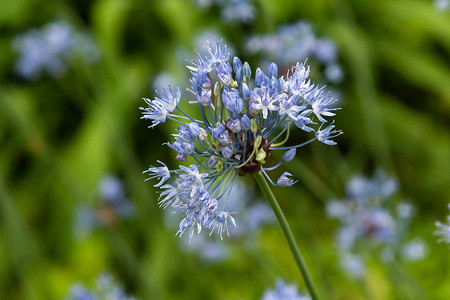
column 288, row 234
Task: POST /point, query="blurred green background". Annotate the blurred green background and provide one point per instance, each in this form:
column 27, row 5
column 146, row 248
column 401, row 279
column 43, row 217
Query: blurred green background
column 60, row 136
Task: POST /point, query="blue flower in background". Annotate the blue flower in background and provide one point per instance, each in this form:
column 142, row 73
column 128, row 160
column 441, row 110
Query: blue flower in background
column 240, row 124
column 232, row 11
column 368, row 221
column 50, row 48
column 442, row 5
column 295, row 42
column 284, row 291
column 443, row 230
column 105, row 288
column 111, row 206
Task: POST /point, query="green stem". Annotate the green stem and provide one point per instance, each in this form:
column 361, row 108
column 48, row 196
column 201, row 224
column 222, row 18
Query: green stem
column 287, row 233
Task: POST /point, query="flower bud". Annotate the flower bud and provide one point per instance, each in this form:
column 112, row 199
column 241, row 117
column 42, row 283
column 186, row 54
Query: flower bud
column 194, row 129
column 245, row 91
column 284, row 180
column 237, row 64
column 259, row 77
column 234, row 126
column 201, row 77
column 203, row 134
column 217, row 88
column 239, row 77
column 257, row 141
column 253, row 126
column 260, row 156
column 289, row 155
column 246, row 70
column 273, row 70
column 245, row 122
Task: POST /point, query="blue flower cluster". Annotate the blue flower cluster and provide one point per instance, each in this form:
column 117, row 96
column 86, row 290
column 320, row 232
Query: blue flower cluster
column 105, row 288
column 297, row 42
column 242, row 121
column 232, row 11
column 284, row 291
column 253, row 216
column 443, row 230
column 112, row 206
column 369, row 222
column 48, row 50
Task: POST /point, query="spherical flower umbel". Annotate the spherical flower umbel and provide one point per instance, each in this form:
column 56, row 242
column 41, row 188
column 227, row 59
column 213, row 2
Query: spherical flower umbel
column 369, row 221
column 242, row 121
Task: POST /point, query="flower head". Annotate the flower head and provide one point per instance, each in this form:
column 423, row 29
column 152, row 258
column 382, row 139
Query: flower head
column 241, row 122
column 50, row 48
column 367, row 220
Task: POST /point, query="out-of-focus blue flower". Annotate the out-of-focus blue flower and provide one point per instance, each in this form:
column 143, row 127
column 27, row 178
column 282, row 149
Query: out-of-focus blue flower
column 161, row 81
column 238, row 128
column 284, row 291
column 105, row 288
column 111, row 206
column 442, row 5
column 50, row 49
column 159, row 172
column 159, row 108
column 369, row 221
column 295, row 42
column 232, row 11
column 354, row 264
column 443, row 230
column 414, row 250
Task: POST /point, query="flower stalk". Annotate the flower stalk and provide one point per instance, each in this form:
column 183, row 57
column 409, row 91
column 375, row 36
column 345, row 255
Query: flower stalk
column 265, row 188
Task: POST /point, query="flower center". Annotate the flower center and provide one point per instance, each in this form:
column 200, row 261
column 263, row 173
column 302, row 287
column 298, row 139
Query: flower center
column 253, row 166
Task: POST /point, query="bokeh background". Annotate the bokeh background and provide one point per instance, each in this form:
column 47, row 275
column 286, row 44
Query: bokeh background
column 65, row 130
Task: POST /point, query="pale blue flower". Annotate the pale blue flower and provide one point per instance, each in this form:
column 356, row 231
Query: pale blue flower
column 160, row 108
column 284, row 180
column 241, row 120
column 161, row 173
column 294, row 42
